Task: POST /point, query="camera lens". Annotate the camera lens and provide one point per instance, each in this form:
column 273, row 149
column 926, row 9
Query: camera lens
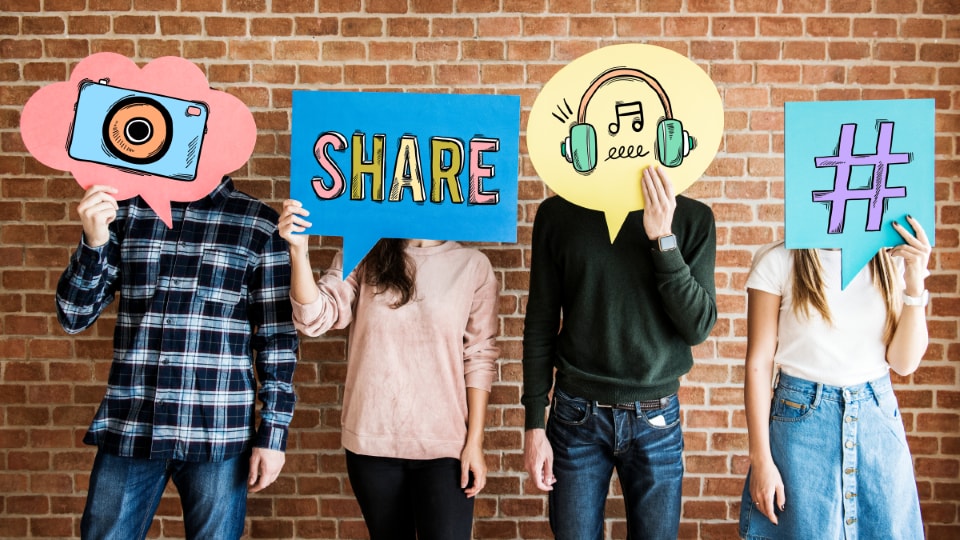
column 138, row 129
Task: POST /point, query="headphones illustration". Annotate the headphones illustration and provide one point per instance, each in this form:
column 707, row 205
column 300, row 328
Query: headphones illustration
column 580, row 148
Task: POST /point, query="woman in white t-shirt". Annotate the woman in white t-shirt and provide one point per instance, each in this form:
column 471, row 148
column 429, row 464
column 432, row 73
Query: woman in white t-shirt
column 828, row 452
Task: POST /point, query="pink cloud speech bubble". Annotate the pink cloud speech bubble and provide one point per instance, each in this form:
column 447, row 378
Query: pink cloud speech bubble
column 159, row 132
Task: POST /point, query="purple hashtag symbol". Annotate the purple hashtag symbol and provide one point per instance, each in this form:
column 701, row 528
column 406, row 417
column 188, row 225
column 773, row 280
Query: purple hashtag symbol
column 877, row 193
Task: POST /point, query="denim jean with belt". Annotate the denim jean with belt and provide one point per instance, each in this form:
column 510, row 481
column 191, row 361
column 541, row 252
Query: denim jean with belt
column 641, row 440
column 842, row 454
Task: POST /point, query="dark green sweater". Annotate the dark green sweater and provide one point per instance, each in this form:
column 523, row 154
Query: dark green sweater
column 630, row 313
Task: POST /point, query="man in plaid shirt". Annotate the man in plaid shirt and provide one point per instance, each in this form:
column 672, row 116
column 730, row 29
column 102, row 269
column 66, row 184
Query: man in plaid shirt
column 203, row 316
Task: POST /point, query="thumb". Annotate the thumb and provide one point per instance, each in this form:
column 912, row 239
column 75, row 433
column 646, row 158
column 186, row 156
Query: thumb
column 254, row 469
column 464, row 474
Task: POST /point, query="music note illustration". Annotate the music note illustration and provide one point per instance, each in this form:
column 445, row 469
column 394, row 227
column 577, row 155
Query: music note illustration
column 633, row 108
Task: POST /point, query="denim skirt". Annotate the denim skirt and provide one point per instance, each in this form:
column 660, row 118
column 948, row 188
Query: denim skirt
column 846, row 469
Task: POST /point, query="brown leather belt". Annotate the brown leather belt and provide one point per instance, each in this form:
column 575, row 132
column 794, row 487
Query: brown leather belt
column 645, row 405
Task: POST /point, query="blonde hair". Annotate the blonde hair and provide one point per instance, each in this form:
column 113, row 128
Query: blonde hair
column 808, row 292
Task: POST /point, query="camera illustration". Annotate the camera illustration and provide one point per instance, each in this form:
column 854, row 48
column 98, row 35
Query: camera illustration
column 137, row 131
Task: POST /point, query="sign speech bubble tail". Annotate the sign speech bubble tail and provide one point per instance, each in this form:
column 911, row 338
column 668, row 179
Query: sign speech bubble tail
column 355, row 248
column 852, row 260
column 615, row 219
column 161, row 205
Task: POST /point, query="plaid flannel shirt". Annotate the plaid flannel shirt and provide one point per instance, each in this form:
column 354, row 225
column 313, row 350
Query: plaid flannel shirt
column 202, row 306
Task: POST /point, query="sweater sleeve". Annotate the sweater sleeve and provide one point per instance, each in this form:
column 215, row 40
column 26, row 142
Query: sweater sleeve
column 685, row 276
column 541, row 324
column 480, row 350
column 333, row 307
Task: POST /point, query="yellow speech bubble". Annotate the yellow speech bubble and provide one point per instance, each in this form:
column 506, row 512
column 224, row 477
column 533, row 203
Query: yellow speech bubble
column 609, row 114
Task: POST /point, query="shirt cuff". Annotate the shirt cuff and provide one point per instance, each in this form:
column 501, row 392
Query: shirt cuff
column 535, row 418
column 271, row 437
column 668, row 262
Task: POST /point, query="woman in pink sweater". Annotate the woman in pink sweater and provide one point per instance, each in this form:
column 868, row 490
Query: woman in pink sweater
column 422, row 318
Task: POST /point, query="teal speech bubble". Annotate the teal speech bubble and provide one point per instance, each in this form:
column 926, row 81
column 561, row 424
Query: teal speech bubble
column 372, row 165
column 851, row 169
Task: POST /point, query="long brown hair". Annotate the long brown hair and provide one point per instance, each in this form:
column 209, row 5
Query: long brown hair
column 387, row 267
column 808, row 290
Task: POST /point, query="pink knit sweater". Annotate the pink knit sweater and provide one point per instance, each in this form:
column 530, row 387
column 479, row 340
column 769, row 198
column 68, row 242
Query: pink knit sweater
column 409, row 367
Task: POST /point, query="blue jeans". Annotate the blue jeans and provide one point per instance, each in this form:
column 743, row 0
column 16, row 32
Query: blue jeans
column 124, row 494
column 846, row 469
column 645, row 447
column 411, row 499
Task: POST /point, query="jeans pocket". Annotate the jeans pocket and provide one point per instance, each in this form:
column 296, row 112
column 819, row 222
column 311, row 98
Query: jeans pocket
column 665, row 418
column 789, row 406
column 569, row 410
column 890, row 416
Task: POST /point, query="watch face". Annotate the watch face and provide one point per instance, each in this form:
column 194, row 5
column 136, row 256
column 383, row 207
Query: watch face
column 667, row 243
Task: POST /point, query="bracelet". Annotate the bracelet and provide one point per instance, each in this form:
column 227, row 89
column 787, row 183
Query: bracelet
column 916, row 300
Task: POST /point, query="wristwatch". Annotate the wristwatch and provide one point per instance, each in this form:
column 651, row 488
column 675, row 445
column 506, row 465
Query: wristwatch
column 916, row 300
column 667, row 242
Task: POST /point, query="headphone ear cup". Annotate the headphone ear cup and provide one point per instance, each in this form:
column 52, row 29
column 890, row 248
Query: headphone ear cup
column 673, row 143
column 581, row 148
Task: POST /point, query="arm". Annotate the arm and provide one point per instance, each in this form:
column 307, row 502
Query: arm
column 89, row 283
column 910, row 338
column 685, row 277
column 274, row 342
column 541, row 324
column 766, row 486
column 480, row 355
column 316, row 309
column 471, row 459
column 303, row 289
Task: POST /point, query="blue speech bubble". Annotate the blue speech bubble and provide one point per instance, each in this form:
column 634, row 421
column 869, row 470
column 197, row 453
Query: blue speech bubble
column 390, row 165
column 851, row 169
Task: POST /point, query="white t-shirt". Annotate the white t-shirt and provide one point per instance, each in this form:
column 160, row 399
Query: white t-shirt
column 849, row 351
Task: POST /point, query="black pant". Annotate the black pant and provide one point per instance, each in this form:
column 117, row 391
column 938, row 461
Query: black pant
column 411, row 499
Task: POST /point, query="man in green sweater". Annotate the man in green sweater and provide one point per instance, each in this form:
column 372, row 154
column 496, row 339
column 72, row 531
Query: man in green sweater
column 631, row 311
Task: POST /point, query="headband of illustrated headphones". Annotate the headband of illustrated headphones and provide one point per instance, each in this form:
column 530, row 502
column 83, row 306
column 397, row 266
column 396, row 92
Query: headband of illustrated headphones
column 580, row 148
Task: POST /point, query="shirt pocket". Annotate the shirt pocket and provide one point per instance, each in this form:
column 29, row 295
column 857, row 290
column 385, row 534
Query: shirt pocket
column 140, row 268
column 222, row 276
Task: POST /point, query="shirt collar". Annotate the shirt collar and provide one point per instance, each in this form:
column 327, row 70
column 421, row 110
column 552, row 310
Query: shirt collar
column 219, row 194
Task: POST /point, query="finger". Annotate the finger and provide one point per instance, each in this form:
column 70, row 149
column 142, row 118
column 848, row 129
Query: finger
column 649, row 190
column 96, row 200
column 99, row 188
column 548, row 476
column 464, row 474
column 301, row 222
column 781, row 497
column 921, row 234
column 667, row 184
column 479, row 482
column 768, row 509
column 541, row 478
column 905, row 234
column 658, row 182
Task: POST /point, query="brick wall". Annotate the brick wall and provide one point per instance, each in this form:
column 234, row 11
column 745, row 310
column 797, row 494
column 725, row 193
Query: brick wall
column 760, row 53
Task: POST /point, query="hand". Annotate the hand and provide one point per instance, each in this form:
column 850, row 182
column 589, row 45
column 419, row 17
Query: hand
column 916, row 255
column 659, row 202
column 538, row 459
column 471, row 461
column 292, row 222
column 766, row 489
column 265, row 466
column 97, row 211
